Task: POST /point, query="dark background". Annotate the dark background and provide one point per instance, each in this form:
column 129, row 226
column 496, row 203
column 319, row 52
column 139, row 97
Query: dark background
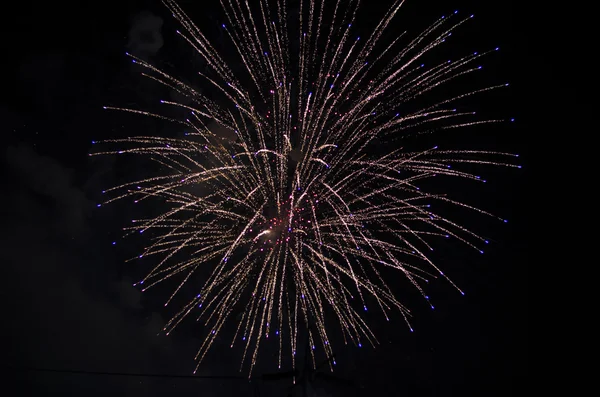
column 69, row 304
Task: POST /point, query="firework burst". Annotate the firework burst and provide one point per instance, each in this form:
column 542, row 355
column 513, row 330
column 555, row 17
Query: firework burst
column 296, row 216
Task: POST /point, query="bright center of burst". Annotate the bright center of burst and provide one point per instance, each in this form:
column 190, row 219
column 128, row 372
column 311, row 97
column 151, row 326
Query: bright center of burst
column 283, row 222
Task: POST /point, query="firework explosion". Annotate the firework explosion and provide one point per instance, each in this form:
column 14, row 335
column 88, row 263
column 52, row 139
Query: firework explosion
column 296, row 216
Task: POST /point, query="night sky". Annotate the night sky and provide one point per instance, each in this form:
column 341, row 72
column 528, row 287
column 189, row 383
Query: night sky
column 71, row 314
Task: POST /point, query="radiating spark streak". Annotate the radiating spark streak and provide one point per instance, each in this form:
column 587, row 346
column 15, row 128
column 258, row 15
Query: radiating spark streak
column 298, row 214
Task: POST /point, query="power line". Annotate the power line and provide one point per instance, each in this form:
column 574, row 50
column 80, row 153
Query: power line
column 81, row 372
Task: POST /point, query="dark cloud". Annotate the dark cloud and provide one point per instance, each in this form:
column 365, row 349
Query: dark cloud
column 145, row 36
column 66, row 308
column 52, row 184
